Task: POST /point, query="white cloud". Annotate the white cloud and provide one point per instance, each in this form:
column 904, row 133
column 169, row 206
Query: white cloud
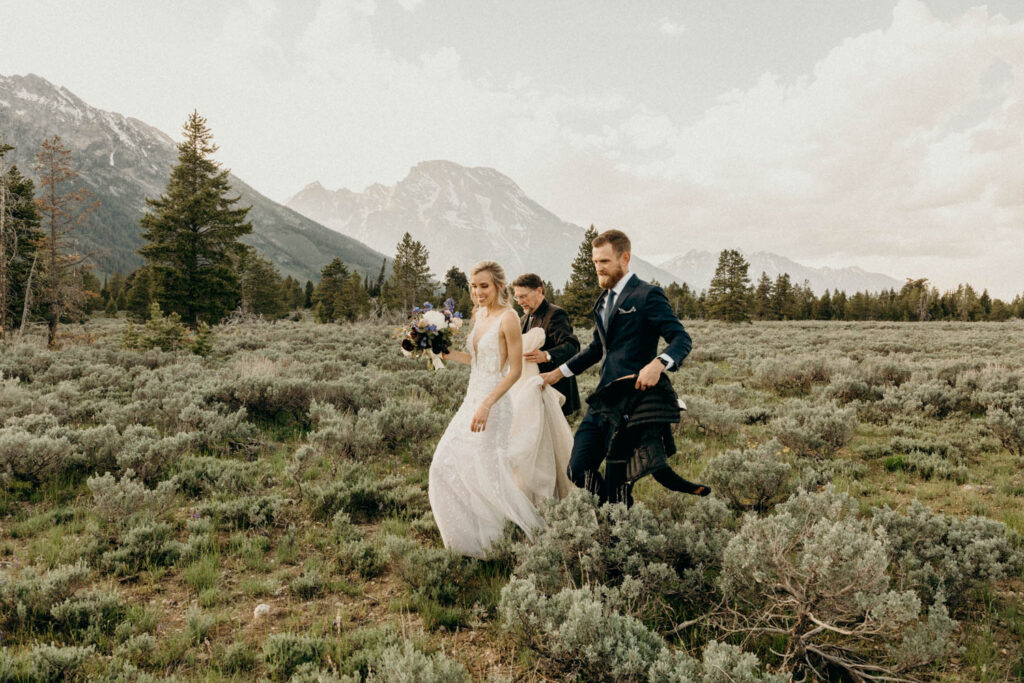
column 900, row 144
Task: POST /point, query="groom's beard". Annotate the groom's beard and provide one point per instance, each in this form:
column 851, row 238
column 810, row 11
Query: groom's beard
column 610, row 279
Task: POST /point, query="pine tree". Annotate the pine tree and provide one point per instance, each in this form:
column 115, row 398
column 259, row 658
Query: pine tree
column 582, row 289
column 410, row 282
column 729, row 296
column 783, row 300
column 262, row 290
column 138, row 295
column 763, row 298
column 63, row 210
column 329, row 295
column 20, row 238
column 192, row 232
column 456, row 288
column 308, row 301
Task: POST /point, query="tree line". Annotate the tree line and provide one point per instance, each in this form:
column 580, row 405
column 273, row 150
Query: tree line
column 197, row 268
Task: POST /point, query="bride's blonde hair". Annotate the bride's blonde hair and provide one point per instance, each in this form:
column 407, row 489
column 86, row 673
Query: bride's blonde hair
column 498, row 278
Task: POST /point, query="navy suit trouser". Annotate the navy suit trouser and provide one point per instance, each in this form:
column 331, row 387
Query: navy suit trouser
column 589, row 448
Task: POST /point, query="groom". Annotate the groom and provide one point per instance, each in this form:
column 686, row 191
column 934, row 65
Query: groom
column 630, row 317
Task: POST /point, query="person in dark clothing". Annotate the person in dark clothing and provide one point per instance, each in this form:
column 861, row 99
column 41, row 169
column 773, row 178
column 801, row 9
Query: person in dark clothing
column 630, row 317
column 641, row 437
column 560, row 344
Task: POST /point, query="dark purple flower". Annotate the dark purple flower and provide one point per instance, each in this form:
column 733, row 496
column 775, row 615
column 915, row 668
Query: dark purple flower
column 449, row 303
column 431, row 328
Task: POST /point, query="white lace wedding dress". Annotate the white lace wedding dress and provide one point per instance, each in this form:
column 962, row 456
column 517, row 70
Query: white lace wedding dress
column 473, row 485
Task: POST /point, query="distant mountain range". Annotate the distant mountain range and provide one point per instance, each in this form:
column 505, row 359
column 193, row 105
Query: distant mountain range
column 123, row 161
column 462, row 215
column 696, row 269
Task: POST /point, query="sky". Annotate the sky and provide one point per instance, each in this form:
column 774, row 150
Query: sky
column 886, row 134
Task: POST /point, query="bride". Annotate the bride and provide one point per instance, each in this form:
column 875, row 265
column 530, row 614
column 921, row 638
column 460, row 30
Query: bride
column 483, row 473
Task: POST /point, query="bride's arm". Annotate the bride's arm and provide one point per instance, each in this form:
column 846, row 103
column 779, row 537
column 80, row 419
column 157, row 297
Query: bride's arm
column 458, row 356
column 514, row 345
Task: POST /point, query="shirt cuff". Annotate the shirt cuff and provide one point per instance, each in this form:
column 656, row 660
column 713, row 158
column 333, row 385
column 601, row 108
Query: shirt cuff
column 566, row 372
column 668, row 360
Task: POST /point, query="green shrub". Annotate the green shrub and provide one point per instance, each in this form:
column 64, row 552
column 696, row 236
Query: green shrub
column 721, row 663
column 791, row 377
column 815, row 430
column 201, row 476
column 751, row 479
column 247, row 512
column 149, row 544
column 122, row 502
column 366, row 497
column 138, row 650
column 28, row 598
column 83, row 617
column 236, row 658
column 366, row 559
column 37, row 458
column 432, row 573
column 1008, row 427
column 937, row 554
column 46, row 663
column 166, row 333
column 404, row 664
column 307, row 586
column 813, row 556
column 284, row 652
column 577, row 635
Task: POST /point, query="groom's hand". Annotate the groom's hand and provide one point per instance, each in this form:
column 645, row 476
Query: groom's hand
column 552, row 377
column 649, row 375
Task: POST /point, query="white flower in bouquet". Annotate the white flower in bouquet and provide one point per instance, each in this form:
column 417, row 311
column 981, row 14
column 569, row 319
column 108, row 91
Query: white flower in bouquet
column 435, row 318
column 456, row 323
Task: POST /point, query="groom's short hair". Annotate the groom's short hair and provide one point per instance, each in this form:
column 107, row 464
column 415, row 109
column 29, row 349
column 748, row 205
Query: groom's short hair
column 528, row 280
column 616, row 238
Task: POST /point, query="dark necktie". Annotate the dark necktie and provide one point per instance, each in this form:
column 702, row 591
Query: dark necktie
column 608, row 308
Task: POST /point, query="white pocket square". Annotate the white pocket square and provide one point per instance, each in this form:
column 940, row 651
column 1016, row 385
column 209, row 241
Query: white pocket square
column 624, row 311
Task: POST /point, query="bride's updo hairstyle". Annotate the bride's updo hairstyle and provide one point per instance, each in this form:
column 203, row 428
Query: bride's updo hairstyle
column 497, row 274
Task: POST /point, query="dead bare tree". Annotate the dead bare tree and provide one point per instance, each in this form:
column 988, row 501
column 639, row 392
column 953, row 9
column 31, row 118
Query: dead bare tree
column 63, row 210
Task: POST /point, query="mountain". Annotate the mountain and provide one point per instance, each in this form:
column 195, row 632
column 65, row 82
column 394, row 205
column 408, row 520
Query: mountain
column 462, row 215
column 122, row 161
column 696, row 269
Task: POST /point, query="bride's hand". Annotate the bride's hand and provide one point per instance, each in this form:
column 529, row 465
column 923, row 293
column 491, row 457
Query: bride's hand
column 479, row 422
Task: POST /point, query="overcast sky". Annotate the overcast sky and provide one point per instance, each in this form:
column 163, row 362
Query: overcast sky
column 880, row 133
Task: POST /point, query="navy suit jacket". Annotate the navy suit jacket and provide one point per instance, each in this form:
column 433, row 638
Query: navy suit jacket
column 642, row 315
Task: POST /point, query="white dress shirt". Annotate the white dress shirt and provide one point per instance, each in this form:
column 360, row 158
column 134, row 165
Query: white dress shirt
column 619, row 286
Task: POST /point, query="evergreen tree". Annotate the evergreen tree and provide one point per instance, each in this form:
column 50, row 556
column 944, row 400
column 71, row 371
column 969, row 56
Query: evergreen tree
column 91, row 288
column 260, row 285
column 193, row 231
column 352, row 300
column 823, row 311
column 582, row 289
column 329, row 295
column 20, row 238
column 763, row 298
column 456, row 288
column 293, row 294
column 308, row 302
column 63, row 210
column 730, row 297
column 410, row 282
column 139, row 294
column 115, row 294
column 783, row 299
column 378, row 285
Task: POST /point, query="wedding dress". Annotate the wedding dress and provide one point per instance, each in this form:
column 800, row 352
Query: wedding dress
column 541, row 441
column 472, row 489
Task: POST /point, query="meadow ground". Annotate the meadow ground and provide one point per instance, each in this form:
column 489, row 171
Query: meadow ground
column 152, row 500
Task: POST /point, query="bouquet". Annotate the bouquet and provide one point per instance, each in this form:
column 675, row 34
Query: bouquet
column 431, row 331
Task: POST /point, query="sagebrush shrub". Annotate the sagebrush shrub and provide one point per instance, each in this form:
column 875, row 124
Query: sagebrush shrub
column 938, row 554
column 200, row 476
column 437, row 574
column 751, row 479
column 402, row 663
column 54, row 663
column 814, row 556
column 1008, row 427
column 247, row 511
column 365, row 497
column 284, row 652
column 365, row 558
column 792, row 376
column 149, row 544
column 28, row 598
column 121, row 502
column 719, row 663
column 815, row 430
column 36, row 457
